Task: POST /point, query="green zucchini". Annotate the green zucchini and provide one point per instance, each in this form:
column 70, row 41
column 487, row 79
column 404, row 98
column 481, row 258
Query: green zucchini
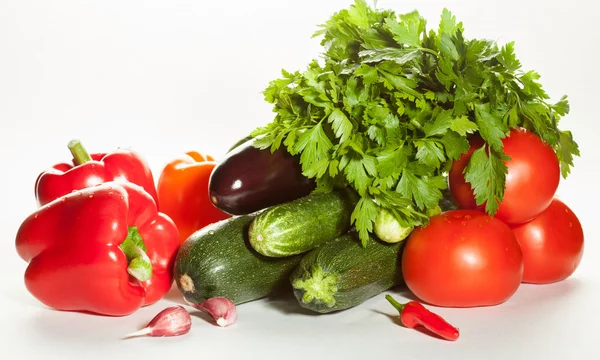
column 218, row 260
column 298, row 226
column 342, row 274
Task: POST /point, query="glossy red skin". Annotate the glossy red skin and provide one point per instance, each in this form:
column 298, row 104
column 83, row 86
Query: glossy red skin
column 119, row 165
column 463, row 258
column 531, row 183
column 552, row 244
column 72, row 247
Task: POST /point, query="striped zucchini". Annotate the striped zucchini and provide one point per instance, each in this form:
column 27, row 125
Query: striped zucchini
column 342, row 273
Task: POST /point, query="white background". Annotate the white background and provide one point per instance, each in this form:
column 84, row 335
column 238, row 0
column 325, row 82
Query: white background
column 165, row 77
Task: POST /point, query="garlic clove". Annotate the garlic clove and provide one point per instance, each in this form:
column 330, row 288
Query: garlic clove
column 172, row 321
column 221, row 309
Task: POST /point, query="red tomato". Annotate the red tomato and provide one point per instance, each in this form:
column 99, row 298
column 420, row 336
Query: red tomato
column 531, row 183
column 463, row 258
column 552, row 244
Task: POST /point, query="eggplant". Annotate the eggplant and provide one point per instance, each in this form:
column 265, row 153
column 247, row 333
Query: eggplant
column 249, row 179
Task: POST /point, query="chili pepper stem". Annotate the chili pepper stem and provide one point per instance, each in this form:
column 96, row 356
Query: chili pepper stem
column 394, row 303
column 80, row 154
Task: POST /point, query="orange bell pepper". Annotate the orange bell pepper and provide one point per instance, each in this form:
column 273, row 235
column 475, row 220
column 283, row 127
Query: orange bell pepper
column 183, row 193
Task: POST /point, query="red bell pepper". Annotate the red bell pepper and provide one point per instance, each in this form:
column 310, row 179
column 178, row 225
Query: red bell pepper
column 89, row 170
column 104, row 249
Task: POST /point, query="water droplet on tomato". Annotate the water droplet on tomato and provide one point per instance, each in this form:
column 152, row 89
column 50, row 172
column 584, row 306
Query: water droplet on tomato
column 64, row 199
column 91, row 196
column 92, row 166
column 110, row 193
column 122, row 197
column 467, row 217
column 36, row 216
column 570, row 224
column 463, row 223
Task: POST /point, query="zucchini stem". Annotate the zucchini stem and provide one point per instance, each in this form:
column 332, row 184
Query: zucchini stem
column 318, row 286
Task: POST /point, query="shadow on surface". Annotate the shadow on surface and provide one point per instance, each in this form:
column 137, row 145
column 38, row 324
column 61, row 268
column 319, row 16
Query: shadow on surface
column 175, row 296
column 286, row 303
column 393, row 318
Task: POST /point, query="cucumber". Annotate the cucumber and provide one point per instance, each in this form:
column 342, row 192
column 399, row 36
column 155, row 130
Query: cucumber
column 388, row 229
column 341, row 273
column 218, row 260
column 301, row 225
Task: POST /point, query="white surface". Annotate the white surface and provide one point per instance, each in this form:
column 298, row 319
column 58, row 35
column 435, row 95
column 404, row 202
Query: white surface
column 167, row 76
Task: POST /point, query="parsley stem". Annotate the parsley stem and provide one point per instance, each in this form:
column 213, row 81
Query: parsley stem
column 429, row 51
column 416, row 124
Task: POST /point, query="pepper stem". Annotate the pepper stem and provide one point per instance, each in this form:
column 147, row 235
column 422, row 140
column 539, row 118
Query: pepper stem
column 140, row 266
column 394, row 303
column 80, row 154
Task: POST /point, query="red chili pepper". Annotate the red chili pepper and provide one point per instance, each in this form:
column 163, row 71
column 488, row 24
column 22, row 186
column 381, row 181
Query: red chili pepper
column 104, row 249
column 413, row 314
column 89, row 170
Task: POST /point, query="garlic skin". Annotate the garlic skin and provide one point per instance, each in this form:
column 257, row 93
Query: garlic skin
column 222, row 310
column 172, row 321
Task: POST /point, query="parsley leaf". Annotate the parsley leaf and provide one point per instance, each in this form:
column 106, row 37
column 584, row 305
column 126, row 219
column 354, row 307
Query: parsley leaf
column 425, row 194
column 313, row 145
column 491, row 127
column 400, row 56
column 430, row 153
column 486, row 174
column 454, row 144
column 341, row 125
column 405, row 33
column 441, row 124
column 364, row 216
column 568, row 148
column 463, row 126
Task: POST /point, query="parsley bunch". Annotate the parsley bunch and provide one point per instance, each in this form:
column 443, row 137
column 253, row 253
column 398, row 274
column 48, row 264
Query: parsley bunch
column 392, row 104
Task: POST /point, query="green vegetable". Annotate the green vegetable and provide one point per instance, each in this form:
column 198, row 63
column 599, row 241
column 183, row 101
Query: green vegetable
column 389, row 229
column 218, row 261
column 341, row 273
column 392, row 104
column 301, row 225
